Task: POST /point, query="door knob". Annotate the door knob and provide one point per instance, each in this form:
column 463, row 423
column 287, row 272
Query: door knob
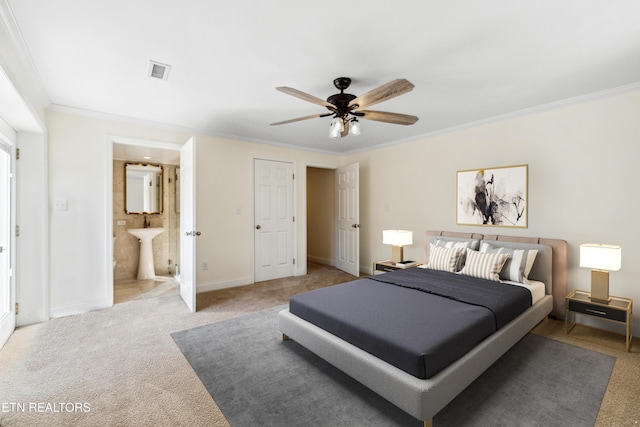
column 197, row 233
column 258, row 227
column 188, row 233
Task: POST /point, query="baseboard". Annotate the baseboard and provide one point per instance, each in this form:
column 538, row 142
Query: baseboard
column 321, row 260
column 214, row 286
column 80, row 308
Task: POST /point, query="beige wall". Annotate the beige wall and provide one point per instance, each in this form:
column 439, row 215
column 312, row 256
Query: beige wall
column 224, row 173
column 583, row 182
column 582, row 187
column 80, row 171
column 321, row 215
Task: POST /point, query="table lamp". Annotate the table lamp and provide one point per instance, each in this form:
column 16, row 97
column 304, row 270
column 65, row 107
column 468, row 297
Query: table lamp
column 397, row 239
column 601, row 259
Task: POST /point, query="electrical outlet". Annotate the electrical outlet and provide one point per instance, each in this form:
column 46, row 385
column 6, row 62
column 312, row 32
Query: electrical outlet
column 205, row 265
column 60, row 205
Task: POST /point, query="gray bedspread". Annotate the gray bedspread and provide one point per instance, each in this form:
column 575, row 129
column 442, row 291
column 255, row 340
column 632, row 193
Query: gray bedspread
column 416, row 319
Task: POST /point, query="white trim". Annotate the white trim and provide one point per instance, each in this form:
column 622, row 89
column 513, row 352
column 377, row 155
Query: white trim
column 80, row 308
column 117, row 118
column 13, row 29
column 108, row 218
column 7, row 133
column 519, row 113
column 523, row 112
column 149, row 143
column 223, row 284
column 8, row 319
column 304, row 257
column 321, row 260
column 15, row 109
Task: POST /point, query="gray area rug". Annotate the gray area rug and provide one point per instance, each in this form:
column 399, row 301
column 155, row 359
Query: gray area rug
column 258, row 379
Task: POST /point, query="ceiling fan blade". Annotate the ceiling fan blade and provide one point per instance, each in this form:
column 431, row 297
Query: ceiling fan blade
column 305, row 96
column 382, row 116
column 313, row 116
column 383, row 93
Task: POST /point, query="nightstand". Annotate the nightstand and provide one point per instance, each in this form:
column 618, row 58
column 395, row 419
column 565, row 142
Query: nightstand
column 386, row 265
column 619, row 310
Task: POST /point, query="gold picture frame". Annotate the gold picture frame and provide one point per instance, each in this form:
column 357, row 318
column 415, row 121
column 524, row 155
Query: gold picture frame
column 493, row 196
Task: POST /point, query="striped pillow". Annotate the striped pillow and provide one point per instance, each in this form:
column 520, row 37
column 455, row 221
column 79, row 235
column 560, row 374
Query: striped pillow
column 455, row 244
column 445, row 259
column 484, row 265
column 519, row 264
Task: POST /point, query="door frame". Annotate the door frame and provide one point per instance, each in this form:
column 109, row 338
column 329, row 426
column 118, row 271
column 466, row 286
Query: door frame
column 9, row 141
column 325, row 166
column 296, row 268
column 110, row 140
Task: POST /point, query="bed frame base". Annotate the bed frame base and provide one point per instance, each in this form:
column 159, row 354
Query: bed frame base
column 420, row 398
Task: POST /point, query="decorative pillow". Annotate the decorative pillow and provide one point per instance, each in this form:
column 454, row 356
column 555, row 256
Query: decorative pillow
column 484, row 265
column 519, row 264
column 456, row 244
column 445, row 259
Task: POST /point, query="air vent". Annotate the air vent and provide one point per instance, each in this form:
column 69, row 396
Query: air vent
column 158, row 70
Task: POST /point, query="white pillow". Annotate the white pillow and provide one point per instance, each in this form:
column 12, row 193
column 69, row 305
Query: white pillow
column 445, row 259
column 484, row 265
column 519, row 264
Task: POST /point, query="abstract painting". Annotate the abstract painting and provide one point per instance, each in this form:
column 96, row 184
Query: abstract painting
column 495, row 196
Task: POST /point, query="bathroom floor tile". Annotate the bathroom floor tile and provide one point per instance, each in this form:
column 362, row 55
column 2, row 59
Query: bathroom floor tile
column 131, row 289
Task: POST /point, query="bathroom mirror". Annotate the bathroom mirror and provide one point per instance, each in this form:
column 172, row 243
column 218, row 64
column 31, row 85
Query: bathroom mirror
column 142, row 188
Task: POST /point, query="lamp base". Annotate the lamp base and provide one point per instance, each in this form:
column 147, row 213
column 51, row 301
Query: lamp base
column 600, row 286
column 397, row 254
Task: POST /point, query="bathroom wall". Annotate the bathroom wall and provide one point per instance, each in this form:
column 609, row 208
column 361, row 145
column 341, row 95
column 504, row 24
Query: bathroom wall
column 127, row 247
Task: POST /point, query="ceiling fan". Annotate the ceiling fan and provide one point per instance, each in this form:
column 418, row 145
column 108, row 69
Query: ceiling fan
column 346, row 108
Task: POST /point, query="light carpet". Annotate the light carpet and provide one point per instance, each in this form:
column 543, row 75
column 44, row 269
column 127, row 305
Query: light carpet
column 257, row 379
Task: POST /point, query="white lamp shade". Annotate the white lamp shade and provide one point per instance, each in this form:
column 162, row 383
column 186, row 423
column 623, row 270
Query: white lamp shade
column 397, row 237
column 355, row 127
column 601, row 257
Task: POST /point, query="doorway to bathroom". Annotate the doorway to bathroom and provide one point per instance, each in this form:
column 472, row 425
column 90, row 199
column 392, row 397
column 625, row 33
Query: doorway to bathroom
column 129, row 282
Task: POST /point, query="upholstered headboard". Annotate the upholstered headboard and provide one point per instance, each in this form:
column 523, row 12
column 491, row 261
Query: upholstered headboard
column 559, row 259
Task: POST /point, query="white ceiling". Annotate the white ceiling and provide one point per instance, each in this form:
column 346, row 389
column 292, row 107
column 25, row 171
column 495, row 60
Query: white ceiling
column 469, row 60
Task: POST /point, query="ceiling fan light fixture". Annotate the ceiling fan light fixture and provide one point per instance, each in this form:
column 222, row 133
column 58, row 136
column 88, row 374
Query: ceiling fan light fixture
column 342, row 106
column 354, row 129
column 336, row 128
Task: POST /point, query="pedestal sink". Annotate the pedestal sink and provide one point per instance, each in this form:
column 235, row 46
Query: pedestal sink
column 146, row 269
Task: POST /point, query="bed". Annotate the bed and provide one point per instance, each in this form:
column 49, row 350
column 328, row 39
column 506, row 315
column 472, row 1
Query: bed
column 416, row 384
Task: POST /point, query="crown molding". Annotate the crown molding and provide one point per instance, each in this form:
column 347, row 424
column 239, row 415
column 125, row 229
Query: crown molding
column 519, row 113
column 11, row 25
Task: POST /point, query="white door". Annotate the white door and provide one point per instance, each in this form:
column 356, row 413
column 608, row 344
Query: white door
column 7, row 312
column 188, row 232
column 348, row 218
column 273, row 220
